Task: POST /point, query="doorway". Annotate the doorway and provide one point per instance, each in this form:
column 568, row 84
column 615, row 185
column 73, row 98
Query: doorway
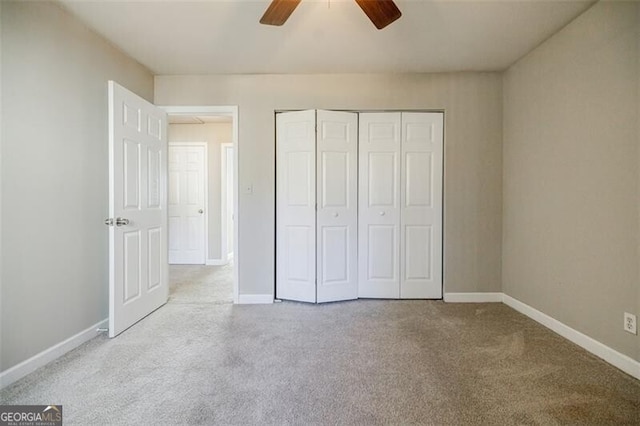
column 210, row 132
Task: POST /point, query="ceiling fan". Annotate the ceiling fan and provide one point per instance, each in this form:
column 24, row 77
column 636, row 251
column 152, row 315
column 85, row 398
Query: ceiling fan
column 381, row 12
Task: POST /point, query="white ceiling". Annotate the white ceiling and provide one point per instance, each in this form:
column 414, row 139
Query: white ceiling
column 325, row 36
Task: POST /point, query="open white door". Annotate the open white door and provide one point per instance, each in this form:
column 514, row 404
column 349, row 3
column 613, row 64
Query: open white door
column 138, row 268
column 296, row 206
column 337, row 198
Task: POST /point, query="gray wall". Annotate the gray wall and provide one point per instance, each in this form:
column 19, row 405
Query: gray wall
column 213, row 134
column 54, row 175
column 571, row 175
column 473, row 155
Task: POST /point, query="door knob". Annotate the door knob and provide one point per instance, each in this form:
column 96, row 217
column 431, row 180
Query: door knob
column 200, row 211
column 121, row 221
column 381, row 213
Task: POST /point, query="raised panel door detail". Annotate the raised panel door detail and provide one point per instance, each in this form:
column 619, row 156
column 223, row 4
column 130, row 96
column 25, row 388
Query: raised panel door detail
column 382, row 179
column 297, row 131
column 335, row 254
column 338, row 131
column 153, row 178
column 418, row 257
column 194, row 188
column 194, row 235
column 382, row 132
column 298, row 179
column 419, row 181
column 131, row 117
column 174, row 187
column 131, row 164
column 419, row 132
column 154, row 127
column 381, row 252
column 154, row 248
column 132, row 261
column 335, row 179
column 298, row 239
column 175, row 242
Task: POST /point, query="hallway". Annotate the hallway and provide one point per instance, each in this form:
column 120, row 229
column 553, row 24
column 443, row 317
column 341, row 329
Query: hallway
column 201, row 284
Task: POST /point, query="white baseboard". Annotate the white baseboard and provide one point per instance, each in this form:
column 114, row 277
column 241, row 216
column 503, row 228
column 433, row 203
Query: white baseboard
column 254, row 299
column 613, row 357
column 18, row 371
column 216, row 262
column 472, row 297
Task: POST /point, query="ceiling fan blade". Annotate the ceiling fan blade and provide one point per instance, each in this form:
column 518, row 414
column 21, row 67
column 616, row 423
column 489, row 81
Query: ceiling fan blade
column 278, row 12
column 381, row 12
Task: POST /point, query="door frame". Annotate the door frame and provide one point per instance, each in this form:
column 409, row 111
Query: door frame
column 224, row 226
column 229, row 111
column 206, row 189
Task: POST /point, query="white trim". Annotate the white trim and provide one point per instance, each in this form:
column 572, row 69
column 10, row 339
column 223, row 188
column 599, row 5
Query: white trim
column 472, row 297
column 613, row 357
column 224, row 251
column 204, row 145
column 18, row 371
column 231, row 111
column 216, row 262
column 255, row 299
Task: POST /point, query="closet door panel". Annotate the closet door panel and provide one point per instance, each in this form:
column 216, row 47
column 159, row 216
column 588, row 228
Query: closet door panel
column 337, row 233
column 295, row 206
column 421, row 200
column 379, row 205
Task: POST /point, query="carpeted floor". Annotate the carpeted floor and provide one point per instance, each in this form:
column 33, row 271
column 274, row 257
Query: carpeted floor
column 202, row 360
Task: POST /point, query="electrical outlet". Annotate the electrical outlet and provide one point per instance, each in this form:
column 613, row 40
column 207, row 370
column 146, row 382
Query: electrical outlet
column 630, row 323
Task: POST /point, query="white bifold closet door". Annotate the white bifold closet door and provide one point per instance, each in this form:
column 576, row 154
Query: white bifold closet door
column 400, row 205
column 316, row 207
column 379, row 205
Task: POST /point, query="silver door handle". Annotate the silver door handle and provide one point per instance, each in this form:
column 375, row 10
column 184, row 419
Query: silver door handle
column 108, row 222
column 381, row 213
column 121, row 221
column 200, row 211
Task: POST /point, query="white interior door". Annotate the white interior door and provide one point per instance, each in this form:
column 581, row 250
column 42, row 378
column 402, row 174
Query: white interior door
column 379, row 205
column 295, row 206
column 187, row 178
column 138, row 272
column 337, row 201
column 421, row 200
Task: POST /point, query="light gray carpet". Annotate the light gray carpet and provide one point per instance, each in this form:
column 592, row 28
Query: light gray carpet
column 200, row 361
